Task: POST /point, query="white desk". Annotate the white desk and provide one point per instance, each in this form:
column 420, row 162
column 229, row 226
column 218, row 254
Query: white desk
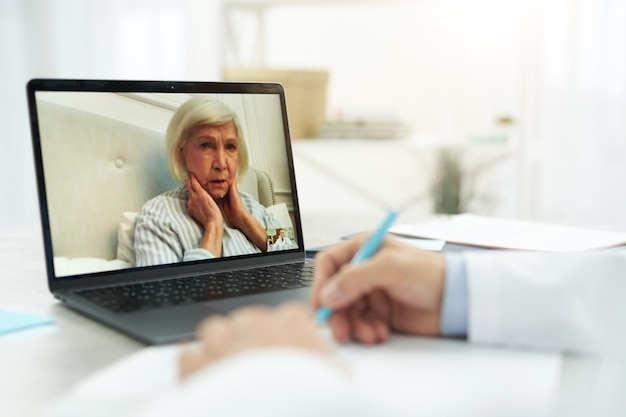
column 41, row 364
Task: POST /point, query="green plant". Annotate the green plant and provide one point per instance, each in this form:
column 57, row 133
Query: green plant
column 450, row 189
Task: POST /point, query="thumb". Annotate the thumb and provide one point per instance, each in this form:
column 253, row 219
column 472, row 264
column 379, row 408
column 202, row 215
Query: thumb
column 353, row 282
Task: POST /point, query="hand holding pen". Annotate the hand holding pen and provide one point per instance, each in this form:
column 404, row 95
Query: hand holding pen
column 399, row 288
column 365, row 252
column 371, row 287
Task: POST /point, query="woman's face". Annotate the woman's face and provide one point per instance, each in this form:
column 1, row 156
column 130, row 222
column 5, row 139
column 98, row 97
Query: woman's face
column 211, row 153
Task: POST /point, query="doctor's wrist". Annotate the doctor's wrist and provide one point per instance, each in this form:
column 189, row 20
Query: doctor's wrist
column 454, row 307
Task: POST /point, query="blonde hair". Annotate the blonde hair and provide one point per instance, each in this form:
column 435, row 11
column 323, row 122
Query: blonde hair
column 196, row 112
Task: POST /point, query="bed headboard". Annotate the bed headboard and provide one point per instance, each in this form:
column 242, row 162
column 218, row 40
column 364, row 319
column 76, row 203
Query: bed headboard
column 96, row 168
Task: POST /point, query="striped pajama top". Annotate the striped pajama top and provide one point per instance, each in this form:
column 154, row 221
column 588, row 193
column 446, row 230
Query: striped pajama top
column 166, row 233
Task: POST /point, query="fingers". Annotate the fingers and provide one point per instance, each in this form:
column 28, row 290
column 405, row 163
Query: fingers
column 200, row 204
column 380, row 304
column 190, row 361
column 193, row 185
column 233, row 191
column 239, row 215
column 400, row 288
column 354, row 281
column 290, row 325
column 340, row 326
column 404, row 273
column 361, row 322
column 328, row 263
column 216, row 329
column 369, row 329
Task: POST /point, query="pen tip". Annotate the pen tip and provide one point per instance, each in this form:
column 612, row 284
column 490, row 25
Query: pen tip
column 322, row 315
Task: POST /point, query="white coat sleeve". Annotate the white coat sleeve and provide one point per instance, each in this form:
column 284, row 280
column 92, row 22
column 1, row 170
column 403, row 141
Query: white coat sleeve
column 570, row 302
column 264, row 383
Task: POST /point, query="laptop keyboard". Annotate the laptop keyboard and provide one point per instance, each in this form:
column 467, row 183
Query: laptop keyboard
column 177, row 291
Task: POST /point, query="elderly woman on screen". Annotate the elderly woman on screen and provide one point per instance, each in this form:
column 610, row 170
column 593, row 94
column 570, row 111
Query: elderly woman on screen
column 208, row 216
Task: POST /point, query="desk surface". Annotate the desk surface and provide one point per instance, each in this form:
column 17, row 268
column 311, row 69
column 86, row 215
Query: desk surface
column 41, row 364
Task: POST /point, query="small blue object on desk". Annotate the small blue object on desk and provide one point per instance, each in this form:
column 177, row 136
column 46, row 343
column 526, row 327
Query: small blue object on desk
column 367, row 250
column 12, row 321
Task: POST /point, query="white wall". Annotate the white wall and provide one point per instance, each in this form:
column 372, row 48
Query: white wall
column 451, row 67
column 580, row 140
column 446, row 66
column 113, row 39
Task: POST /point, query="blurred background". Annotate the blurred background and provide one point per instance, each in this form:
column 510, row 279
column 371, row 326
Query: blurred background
column 514, row 108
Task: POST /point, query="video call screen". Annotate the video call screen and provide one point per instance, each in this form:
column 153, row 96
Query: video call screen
column 142, row 179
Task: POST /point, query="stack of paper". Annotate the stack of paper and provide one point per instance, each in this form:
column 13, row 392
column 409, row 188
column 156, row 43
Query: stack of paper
column 489, row 232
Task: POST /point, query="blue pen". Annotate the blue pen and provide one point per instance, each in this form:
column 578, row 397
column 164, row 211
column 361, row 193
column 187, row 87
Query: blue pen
column 367, row 250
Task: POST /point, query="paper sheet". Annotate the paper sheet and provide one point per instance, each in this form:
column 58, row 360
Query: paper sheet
column 425, row 244
column 490, row 232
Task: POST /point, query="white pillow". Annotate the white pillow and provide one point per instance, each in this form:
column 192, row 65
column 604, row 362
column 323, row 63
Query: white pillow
column 126, row 237
column 75, row 266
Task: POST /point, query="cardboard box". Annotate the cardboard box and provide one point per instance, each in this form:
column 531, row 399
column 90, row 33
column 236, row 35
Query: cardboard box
column 305, row 92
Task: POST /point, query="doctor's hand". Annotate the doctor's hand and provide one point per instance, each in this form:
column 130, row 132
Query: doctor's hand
column 290, row 325
column 399, row 289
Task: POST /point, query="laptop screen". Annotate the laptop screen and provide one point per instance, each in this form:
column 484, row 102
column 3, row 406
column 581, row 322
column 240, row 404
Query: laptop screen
column 133, row 175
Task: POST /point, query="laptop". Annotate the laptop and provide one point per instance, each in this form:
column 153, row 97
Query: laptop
column 122, row 244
